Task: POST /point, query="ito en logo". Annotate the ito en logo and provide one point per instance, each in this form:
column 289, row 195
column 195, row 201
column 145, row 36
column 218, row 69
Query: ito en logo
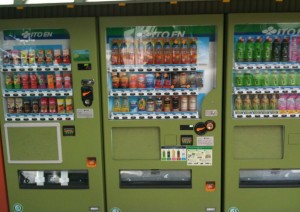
column 233, row 209
column 269, row 31
column 26, row 34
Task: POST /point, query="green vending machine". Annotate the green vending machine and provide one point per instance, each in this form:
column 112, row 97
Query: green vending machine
column 162, row 109
column 50, row 115
column 262, row 139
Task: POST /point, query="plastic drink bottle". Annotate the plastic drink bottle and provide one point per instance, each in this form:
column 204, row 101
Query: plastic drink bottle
column 249, row 50
column 240, row 50
column 257, row 51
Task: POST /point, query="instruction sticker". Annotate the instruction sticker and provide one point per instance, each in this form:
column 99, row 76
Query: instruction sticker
column 173, row 153
column 205, row 141
column 199, row 156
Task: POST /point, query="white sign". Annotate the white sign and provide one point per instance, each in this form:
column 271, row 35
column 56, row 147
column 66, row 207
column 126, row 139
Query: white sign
column 205, row 141
column 85, row 113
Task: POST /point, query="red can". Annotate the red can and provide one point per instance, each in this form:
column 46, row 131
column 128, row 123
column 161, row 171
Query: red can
column 133, row 81
column 44, row 105
column 141, row 81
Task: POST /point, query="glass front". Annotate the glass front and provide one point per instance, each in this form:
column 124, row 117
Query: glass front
column 36, row 74
column 266, row 74
column 159, row 72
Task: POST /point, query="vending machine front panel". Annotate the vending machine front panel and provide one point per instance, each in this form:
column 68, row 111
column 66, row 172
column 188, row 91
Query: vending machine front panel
column 52, row 140
column 262, row 114
column 162, row 84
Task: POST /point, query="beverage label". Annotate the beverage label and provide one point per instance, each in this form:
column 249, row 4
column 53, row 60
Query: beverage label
column 184, row 51
column 283, row 78
column 158, row 104
column 27, row 105
column 176, row 54
column 199, row 79
column 192, row 103
column 158, row 80
column 24, row 57
column 184, row 103
column 193, row 51
column 158, row 51
column 192, row 79
column 33, row 81
column 117, row 104
column 50, row 81
column 265, row 78
column 25, row 81
column 248, row 79
column 133, row 106
column 148, row 54
column 122, row 52
column 9, row 81
column 239, row 78
column 274, row 103
column 149, row 80
column 141, row 81
column 257, row 78
column 267, row 50
column 142, row 104
column 258, row 49
column 167, row 81
column 67, row 80
column 297, row 103
column 40, row 55
column 31, row 56
column 19, row 105
column 11, row 105
column 16, row 57
column 182, row 79
column 167, row 51
column 150, row 105
column 124, row 105
column 132, row 81
column 285, row 49
column 292, row 78
column 175, row 104
column 58, row 81
column 264, row 102
column 247, row 103
column 66, row 56
column 175, row 80
column 7, row 57
column 35, row 105
column 291, row 104
column 276, row 50
column 41, row 81
column 282, row 103
column 57, row 56
column 140, row 49
column 69, row 105
column 17, row 81
column 249, row 49
column 274, row 78
column 255, row 103
column 130, row 53
column 167, row 104
column 238, row 103
column 60, row 106
column 294, row 49
column 114, row 52
column 240, row 50
column 52, row 105
column 44, row 105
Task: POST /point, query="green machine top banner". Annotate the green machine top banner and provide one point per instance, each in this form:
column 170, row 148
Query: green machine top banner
column 162, row 32
column 268, row 29
column 37, row 34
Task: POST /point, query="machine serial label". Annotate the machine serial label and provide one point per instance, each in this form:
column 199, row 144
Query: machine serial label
column 205, row 141
column 85, row 113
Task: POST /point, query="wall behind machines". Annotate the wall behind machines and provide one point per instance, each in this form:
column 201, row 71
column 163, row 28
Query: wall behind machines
column 182, row 8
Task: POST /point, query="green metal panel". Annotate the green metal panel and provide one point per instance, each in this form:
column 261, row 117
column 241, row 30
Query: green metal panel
column 166, row 132
column 87, row 141
column 279, row 138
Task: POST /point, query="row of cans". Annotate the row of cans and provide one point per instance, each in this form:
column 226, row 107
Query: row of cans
column 149, row 51
column 285, row 103
column 58, row 80
column 39, row 105
column 266, row 49
column 267, row 78
column 36, row 57
column 155, row 104
column 157, row 80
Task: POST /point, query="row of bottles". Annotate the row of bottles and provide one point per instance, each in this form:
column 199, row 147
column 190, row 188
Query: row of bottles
column 157, row 80
column 41, row 80
column 149, row 51
column 155, row 104
column 266, row 78
column 39, row 105
column 266, row 49
column 32, row 56
column 284, row 103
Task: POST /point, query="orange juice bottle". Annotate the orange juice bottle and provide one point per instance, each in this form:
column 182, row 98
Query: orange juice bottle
column 176, row 55
column 50, row 80
column 193, row 51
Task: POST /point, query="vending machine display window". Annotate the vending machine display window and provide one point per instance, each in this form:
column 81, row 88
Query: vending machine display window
column 36, row 75
column 159, row 72
column 266, row 76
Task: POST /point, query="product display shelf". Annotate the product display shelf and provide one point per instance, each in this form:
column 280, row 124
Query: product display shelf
column 152, row 68
column 267, row 90
column 266, row 65
column 39, row 117
column 154, row 92
column 38, row 93
column 42, row 68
